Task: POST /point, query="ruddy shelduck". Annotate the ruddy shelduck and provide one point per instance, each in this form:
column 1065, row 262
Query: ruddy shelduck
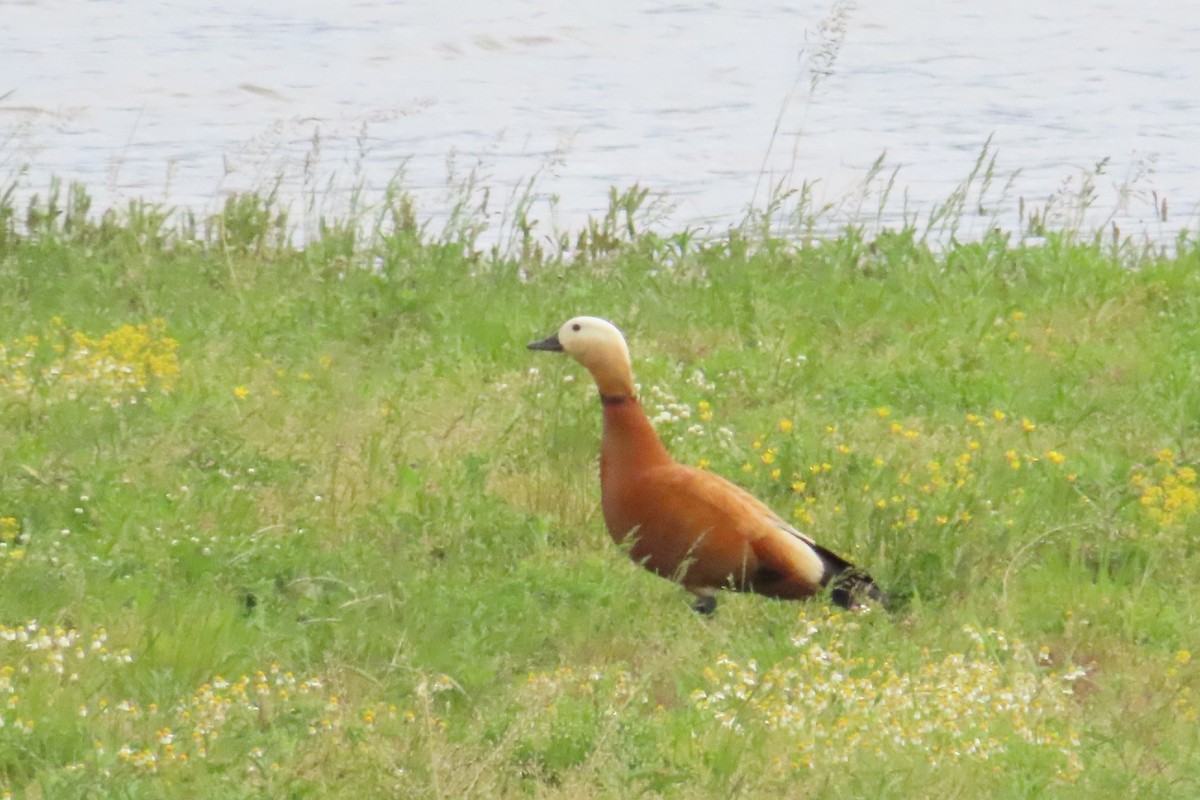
column 684, row 523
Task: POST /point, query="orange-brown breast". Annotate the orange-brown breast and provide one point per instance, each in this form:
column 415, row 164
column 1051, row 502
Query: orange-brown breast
column 691, row 525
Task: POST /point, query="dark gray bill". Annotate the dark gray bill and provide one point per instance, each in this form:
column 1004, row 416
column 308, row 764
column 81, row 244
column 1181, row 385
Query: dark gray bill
column 552, row 344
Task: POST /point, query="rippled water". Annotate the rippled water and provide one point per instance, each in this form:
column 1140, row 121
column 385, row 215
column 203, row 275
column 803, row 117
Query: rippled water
column 710, row 102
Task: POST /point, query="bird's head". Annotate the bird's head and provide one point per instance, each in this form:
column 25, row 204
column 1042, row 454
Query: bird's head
column 599, row 346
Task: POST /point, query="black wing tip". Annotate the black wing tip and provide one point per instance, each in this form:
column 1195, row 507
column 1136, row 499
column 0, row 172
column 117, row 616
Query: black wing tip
column 852, row 589
column 849, row 587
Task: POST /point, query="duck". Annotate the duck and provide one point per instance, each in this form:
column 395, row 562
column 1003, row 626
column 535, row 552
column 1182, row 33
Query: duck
column 685, row 523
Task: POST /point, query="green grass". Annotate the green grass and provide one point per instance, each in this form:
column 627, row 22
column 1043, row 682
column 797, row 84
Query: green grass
column 312, row 522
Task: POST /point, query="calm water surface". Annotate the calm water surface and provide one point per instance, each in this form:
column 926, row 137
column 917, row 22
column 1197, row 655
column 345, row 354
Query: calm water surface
column 708, row 102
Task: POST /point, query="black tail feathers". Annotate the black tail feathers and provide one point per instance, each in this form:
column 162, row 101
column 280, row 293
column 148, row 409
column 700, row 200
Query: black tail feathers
column 849, row 586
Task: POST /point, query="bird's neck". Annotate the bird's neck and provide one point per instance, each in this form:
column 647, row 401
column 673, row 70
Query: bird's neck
column 610, row 369
column 629, row 438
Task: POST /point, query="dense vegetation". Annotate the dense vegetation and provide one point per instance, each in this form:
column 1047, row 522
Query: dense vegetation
column 284, row 521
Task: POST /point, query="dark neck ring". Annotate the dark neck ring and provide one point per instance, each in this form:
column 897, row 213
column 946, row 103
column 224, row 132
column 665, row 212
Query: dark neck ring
column 615, row 399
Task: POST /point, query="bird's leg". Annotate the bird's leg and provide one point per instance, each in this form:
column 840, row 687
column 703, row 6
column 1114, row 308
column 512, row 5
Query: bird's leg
column 705, row 604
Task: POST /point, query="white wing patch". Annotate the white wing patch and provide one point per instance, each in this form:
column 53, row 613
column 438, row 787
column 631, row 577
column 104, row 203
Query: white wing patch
column 812, row 567
column 783, row 526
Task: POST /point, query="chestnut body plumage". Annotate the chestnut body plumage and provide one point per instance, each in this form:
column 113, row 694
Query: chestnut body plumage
column 684, row 523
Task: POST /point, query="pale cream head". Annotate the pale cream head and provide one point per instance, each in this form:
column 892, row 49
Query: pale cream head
column 599, row 346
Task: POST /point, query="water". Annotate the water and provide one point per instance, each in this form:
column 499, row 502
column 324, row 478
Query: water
column 711, row 103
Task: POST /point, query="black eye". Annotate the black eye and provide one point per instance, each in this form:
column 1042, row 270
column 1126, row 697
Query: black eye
column 576, row 326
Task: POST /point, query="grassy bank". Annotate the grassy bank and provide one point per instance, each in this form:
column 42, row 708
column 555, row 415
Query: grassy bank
column 284, row 522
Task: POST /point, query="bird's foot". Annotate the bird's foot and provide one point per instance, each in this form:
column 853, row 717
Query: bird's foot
column 705, row 604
